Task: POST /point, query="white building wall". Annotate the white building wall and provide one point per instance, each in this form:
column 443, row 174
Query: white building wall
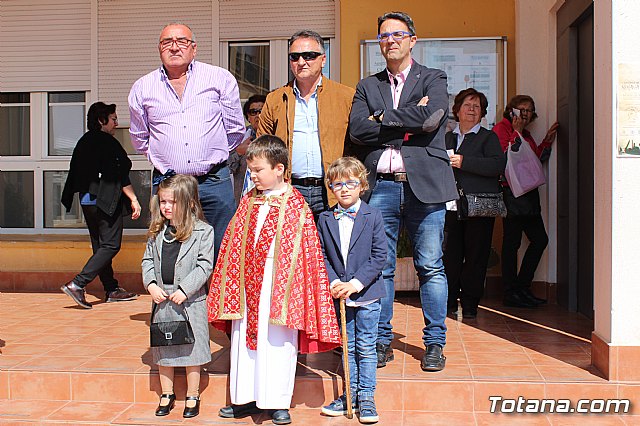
column 536, row 77
column 45, row 45
column 127, row 43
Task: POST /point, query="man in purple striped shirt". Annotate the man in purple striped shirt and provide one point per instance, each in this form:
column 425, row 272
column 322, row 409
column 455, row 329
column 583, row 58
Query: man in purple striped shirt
column 186, row 117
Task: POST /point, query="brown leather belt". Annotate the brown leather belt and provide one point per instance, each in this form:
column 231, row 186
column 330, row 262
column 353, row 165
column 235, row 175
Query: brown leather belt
column 396, row 177
column 308, row 181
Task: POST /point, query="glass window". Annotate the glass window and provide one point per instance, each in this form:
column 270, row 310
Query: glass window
column 326, row 70
column 55, row 214
column 249, row 64
column 14, row 124
column 141, row 181
column 66, row 121
column 124, row 137
column 16, row 200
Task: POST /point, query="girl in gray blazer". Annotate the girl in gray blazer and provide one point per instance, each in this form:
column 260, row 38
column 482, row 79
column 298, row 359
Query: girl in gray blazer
column 176, row 267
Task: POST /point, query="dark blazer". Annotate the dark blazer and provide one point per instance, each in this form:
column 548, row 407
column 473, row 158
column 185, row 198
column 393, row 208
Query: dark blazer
column 425, row 158
column 482, row 161
column 367, row 251
column 99, row 165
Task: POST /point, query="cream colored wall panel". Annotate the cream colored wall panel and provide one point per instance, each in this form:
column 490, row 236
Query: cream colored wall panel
column 45, row 45
column 128, row 35
column 255, row 19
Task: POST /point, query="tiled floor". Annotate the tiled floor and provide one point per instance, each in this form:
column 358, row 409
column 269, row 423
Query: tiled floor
column 66, row 365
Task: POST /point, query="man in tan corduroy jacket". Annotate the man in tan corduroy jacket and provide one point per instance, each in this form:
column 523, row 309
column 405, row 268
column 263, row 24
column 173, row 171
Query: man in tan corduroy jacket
column 311, row 115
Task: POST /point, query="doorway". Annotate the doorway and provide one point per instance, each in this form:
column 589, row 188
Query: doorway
column 575, row 156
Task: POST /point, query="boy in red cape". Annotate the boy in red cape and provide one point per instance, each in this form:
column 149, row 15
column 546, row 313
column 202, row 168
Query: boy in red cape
column 270, row 288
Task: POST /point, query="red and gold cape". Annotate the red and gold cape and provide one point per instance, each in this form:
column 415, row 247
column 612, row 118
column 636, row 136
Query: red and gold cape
column 300, row 297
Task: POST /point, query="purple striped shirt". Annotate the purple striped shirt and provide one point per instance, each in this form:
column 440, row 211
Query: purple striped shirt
column 189, row 135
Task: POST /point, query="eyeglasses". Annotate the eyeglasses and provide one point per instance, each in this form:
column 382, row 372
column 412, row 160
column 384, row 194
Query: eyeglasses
column 307, row 56
column 396, row 35
column 181, row 42
column 527, row 111
column 350, row 184
column 254, row 111
column 114, row 119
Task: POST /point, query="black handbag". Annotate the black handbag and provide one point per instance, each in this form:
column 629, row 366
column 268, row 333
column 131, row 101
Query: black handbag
column 480, row 204
column 171, row 333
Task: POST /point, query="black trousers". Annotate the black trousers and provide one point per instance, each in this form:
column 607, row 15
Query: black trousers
column 467, row 245
column 106, row 238
column 533, row 227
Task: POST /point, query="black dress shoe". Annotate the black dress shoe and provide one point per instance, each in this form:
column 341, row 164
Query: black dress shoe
column 236, row 411
column 76, row 292
column 281, row 417
column 163, row 410
column 527, row 293
column 191, row 411
column 384, row 353
column 518, row 300
column 433, row 359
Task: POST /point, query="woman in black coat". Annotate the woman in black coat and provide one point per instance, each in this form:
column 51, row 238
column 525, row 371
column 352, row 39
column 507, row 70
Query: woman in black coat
column 99, row 172
column 478, row 162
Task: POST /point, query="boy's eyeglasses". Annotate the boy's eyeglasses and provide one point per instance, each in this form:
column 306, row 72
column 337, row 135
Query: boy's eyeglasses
column 307, row 56
column 350, row 184
column 254, row 111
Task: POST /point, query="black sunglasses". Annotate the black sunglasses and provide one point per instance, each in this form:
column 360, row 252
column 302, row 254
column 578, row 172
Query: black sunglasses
column 307, row 56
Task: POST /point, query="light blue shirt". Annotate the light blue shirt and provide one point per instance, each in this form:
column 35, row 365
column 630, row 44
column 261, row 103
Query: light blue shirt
column 306, row 155
column 457, row 131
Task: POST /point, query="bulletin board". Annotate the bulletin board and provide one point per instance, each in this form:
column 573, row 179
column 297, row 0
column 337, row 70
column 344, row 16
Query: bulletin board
column 468, row 62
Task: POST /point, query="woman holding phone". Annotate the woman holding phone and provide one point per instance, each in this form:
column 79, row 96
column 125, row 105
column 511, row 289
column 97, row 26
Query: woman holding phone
column 524, row 212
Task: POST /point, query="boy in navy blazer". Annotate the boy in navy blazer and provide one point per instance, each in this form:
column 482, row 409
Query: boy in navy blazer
column 355, row 250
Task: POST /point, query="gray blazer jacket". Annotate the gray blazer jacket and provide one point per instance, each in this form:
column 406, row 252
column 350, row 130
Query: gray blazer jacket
column 193, row 265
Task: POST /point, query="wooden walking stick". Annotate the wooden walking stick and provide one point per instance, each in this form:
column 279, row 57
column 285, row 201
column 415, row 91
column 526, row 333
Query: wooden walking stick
column 345, row 357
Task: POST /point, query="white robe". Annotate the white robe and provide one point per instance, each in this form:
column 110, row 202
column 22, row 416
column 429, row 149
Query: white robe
column 266, row 375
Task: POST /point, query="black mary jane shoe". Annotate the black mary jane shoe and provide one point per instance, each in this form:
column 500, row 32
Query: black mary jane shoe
column 191, row 411
column 164, row 410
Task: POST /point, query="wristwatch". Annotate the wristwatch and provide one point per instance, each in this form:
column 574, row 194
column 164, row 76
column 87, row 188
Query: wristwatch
column 377, row 114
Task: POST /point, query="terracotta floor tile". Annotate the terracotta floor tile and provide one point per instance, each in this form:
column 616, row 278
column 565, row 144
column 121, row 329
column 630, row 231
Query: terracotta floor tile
column 27, row 410
column 585, row 419
column 26, row 349
column 102, row 387
column 491, row 419
column 495, row 372
column 52, row 363
column 437, row 396
column 76, row 411
column 4, row 384
column 577, row 391
column 492, row 347
column 631, row 392
column 499, row 358
column 421, row 418
column 568, row 373
column 44, row 385
column 78, row 350
column 110, row 365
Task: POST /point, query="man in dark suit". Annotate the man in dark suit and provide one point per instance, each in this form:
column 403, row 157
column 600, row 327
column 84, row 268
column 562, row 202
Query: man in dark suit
column 397, row 124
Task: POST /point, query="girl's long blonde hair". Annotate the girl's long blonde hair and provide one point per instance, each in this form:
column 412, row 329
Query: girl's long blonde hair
column 186, row 210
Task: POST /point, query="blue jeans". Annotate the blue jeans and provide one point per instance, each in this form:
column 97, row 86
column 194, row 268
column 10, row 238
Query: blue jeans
column 362, row 331
column 425, row 226
column 218, row 203
column 316, row 197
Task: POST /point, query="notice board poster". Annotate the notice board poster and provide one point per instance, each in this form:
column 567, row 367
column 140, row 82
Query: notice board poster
column 477, row 63
column 628, row 110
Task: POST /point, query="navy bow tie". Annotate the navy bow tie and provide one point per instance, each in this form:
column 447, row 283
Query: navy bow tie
column 158, row 179
column 338, row 212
